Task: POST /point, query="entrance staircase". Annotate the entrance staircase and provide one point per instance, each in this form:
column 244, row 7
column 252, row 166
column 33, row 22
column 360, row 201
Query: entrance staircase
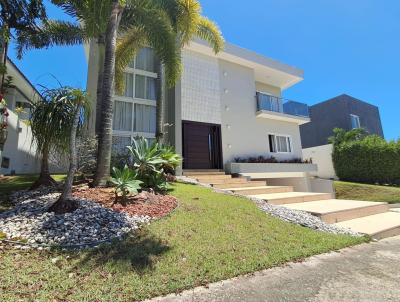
column 372, row 218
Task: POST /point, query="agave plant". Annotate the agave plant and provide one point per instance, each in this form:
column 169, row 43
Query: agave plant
column 172, row 159
column 146, row 158
column 125, row 182
column 153, row 162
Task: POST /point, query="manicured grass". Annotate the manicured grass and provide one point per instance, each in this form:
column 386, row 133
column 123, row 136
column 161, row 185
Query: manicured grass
column 358, row 191
column 9, row 184
column 210, row 237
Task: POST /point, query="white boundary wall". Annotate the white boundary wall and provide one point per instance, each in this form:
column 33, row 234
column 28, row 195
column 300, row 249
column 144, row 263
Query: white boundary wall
column 322, row 157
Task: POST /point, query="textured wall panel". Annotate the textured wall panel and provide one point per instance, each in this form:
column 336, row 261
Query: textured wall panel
column 200, row 88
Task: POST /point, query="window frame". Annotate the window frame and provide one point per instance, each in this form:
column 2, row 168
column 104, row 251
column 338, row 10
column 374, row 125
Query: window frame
column 289, row 143
column 134, row 100
column 357, row 119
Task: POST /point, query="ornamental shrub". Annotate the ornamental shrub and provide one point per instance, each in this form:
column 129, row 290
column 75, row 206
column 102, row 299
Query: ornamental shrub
column 369, row 159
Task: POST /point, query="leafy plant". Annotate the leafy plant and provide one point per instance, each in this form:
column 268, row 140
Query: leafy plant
column 87, row 155
column 264, row 160
column 171, row 158
column 368, row 159
column 125, row 182
column 146, row 158
column 152, row 163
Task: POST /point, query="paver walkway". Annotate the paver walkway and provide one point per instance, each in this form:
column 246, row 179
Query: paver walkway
column 369, row 272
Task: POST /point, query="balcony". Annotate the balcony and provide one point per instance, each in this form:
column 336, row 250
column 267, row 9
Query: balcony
column 276, row 108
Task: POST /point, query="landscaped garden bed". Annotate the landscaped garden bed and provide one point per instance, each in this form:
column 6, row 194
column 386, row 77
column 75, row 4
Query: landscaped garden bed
column 30, row 223
column 149, row 204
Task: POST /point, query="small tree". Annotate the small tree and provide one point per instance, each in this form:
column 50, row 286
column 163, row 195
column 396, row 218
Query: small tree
column 76, row 103
column 48, row 123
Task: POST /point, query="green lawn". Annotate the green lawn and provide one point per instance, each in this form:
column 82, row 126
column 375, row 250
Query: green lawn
column 357, row 191
column 210, row 237
column 10, row 184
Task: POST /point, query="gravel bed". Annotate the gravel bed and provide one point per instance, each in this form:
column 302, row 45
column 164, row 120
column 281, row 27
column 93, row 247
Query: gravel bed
column 294, row 216
column 29, row 222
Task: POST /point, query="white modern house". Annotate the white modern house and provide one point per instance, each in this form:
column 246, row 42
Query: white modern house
column 224, row 106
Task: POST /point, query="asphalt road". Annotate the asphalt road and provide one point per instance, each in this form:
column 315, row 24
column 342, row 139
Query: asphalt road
column 369, row 272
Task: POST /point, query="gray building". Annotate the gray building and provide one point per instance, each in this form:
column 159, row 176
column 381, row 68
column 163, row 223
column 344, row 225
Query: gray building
column 343, row 112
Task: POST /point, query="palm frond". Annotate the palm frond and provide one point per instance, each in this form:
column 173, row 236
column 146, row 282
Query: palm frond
column 145, row 17
column 127, row 47
column 209, row 31
column 189, row 15
column 50, row 34
column 93, row 14
column 52, row 116
column 161, row 37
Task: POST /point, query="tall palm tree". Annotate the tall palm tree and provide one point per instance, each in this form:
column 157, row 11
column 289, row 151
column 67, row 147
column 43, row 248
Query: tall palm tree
column 99, row 20
column 77, row 104
column 141, row 22
column 188, row 23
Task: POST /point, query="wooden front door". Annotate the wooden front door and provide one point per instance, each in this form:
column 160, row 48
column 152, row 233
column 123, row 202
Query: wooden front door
column 201, row 146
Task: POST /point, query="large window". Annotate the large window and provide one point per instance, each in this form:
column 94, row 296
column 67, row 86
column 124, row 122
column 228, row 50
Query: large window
column 355, row 121
column 280, row 143
column 135, row 108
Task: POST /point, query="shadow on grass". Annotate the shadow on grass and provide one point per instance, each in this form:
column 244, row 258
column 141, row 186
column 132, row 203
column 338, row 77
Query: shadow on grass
column 138, row 253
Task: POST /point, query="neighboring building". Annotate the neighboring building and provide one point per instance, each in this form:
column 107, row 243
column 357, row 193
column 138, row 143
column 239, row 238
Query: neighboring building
column 224, row 106
column 19, row 155
column 344, row 112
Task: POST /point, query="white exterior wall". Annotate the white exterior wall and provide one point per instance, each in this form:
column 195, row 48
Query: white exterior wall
column 18, row 148
column 243, row 134
column 321, row 156
column 200, row 88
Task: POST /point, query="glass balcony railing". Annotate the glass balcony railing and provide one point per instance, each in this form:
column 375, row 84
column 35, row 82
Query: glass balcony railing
column 272, row 103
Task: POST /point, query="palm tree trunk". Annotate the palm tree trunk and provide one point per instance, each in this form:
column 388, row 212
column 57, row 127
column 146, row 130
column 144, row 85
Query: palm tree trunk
column 3, row 56
column 100, row 44
column 105, row 135
column 45, row 178
column 64, row 204
column 160, row 104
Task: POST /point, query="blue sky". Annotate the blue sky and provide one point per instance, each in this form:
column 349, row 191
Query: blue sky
column 343, row 46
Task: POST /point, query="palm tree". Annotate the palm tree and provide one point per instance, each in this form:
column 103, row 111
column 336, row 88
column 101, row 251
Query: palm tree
column 142, row 22
column 76, row 103
column 100, row 20
column 343, row 136
column 50, row 124
column 188, row 23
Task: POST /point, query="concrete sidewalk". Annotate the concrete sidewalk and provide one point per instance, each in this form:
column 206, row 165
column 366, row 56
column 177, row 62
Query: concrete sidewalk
column 369, row 272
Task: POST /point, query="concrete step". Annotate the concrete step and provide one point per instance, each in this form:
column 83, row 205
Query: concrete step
column 203, row 172
column 247, row 184
column 212, row 181
column 210, row 176
column 261, row 190
column 292, row 197
column 377, row 226
column 337, row 210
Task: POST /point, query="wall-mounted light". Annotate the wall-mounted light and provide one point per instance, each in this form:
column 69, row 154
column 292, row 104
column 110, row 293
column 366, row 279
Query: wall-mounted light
column 228, row 127
column 227, row 108
column 225, row 74
column 226, row 91
column 229, row 146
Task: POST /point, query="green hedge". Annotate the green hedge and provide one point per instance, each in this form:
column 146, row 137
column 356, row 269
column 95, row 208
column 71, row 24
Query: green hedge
column 370, row 160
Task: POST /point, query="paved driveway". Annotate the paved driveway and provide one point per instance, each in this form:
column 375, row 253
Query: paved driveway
column 369, row 272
